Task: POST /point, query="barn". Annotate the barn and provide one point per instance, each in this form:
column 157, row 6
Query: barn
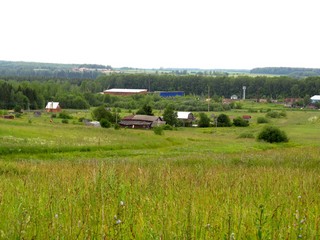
column 124, row 91
column 141, row 121
column 53, row 107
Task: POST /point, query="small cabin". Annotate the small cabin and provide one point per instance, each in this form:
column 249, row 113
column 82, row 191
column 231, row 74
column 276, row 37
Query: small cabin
column 53, row 107
column 234, row 97
column 187, row 118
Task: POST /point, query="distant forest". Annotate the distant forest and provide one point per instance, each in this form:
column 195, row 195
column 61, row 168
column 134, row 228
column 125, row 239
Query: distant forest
column 34, row 92
column 51, row 70
column 292, row 72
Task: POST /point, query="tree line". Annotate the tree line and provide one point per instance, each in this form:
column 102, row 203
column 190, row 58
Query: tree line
column 33, row 93
column 256, row 87
column 51, row 70
column 293, row 72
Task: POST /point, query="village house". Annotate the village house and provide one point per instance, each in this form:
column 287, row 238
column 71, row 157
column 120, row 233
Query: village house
column 187, row 118
column 141, row 121
column 234, row 97
column 53, row 107
column 315, row 99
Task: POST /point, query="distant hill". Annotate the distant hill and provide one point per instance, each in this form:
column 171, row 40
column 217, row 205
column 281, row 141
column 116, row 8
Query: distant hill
column 51, row 70
column 292, row 72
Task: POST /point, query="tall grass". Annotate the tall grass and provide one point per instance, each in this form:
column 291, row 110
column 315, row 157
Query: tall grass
column 125, row 199
column 74, row 182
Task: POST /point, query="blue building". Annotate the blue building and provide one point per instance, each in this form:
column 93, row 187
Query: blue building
column 171, row 94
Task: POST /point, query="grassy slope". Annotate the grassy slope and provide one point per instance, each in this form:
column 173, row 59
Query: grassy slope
column 190, row 183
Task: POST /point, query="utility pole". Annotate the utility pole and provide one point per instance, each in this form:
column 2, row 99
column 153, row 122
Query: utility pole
column 208, row 98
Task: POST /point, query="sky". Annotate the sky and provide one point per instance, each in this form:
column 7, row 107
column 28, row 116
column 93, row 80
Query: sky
column 207, row 34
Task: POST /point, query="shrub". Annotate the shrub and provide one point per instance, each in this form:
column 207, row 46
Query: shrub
column 204, row 120
column 223, row 121
column 101, row 113
column 272, row 134
column 246, row 135
column 17, row 109
column 66, row 121
column 283, row 114
column 53, row 115
column 273, row 114
column 64, row 115
column 262, row 120
column 116, row 126
column 240, row 122
column 167, row 127
column 158, row 130
column 105, row 123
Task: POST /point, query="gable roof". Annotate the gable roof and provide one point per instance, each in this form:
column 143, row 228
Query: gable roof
column 142, row 118
column 52, row 105
column 124, row 90
column 183, row 115
column 315, row 97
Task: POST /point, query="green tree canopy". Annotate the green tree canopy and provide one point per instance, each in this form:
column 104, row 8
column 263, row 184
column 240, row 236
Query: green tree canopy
column 170, row 116
column 101, row 113
column 145, row 110
column 223, row 120
column 204, row 120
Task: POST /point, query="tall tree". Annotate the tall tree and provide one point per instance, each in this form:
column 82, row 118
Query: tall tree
column 170, row 116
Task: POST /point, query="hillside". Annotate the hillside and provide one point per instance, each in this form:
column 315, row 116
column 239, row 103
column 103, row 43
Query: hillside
column 51, row 70
column 292, row 72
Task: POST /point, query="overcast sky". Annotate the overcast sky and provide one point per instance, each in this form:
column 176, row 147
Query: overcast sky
column 168, row 33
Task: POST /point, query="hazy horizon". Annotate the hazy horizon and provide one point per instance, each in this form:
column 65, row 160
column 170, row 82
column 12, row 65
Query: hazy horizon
column 169, row 34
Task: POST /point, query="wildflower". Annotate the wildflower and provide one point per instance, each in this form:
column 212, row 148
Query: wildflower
column 118, row 221
column 299, row 197
column 121, row 203
column 232, row 236
column 56, row 215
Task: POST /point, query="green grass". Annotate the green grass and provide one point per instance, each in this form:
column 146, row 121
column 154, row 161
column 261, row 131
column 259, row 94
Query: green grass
column 75, row 182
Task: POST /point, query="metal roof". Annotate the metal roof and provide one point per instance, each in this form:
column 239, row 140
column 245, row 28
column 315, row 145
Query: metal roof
column 124, row 90
column 183, row 115
column 52, row 105
column 315, row 97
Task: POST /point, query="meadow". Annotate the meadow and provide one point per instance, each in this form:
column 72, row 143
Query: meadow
column 70, row 181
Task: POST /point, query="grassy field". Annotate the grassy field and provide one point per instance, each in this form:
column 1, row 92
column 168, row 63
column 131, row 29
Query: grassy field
column 69, row 181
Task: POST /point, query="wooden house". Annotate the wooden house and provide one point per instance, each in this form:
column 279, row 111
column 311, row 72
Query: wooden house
column 53, row 107
column 187, row 118
column 141, row 121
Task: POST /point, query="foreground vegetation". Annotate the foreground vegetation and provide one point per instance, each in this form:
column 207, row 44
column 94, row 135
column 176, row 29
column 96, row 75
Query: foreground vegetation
column 72, row 181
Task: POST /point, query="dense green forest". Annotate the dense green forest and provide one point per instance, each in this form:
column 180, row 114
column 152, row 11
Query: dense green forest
column 33, row 93
column 292, row 72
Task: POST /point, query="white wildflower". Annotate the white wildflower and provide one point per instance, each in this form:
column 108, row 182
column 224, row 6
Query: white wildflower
column 118, row 221
column 121, row 203
column 232, row 236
